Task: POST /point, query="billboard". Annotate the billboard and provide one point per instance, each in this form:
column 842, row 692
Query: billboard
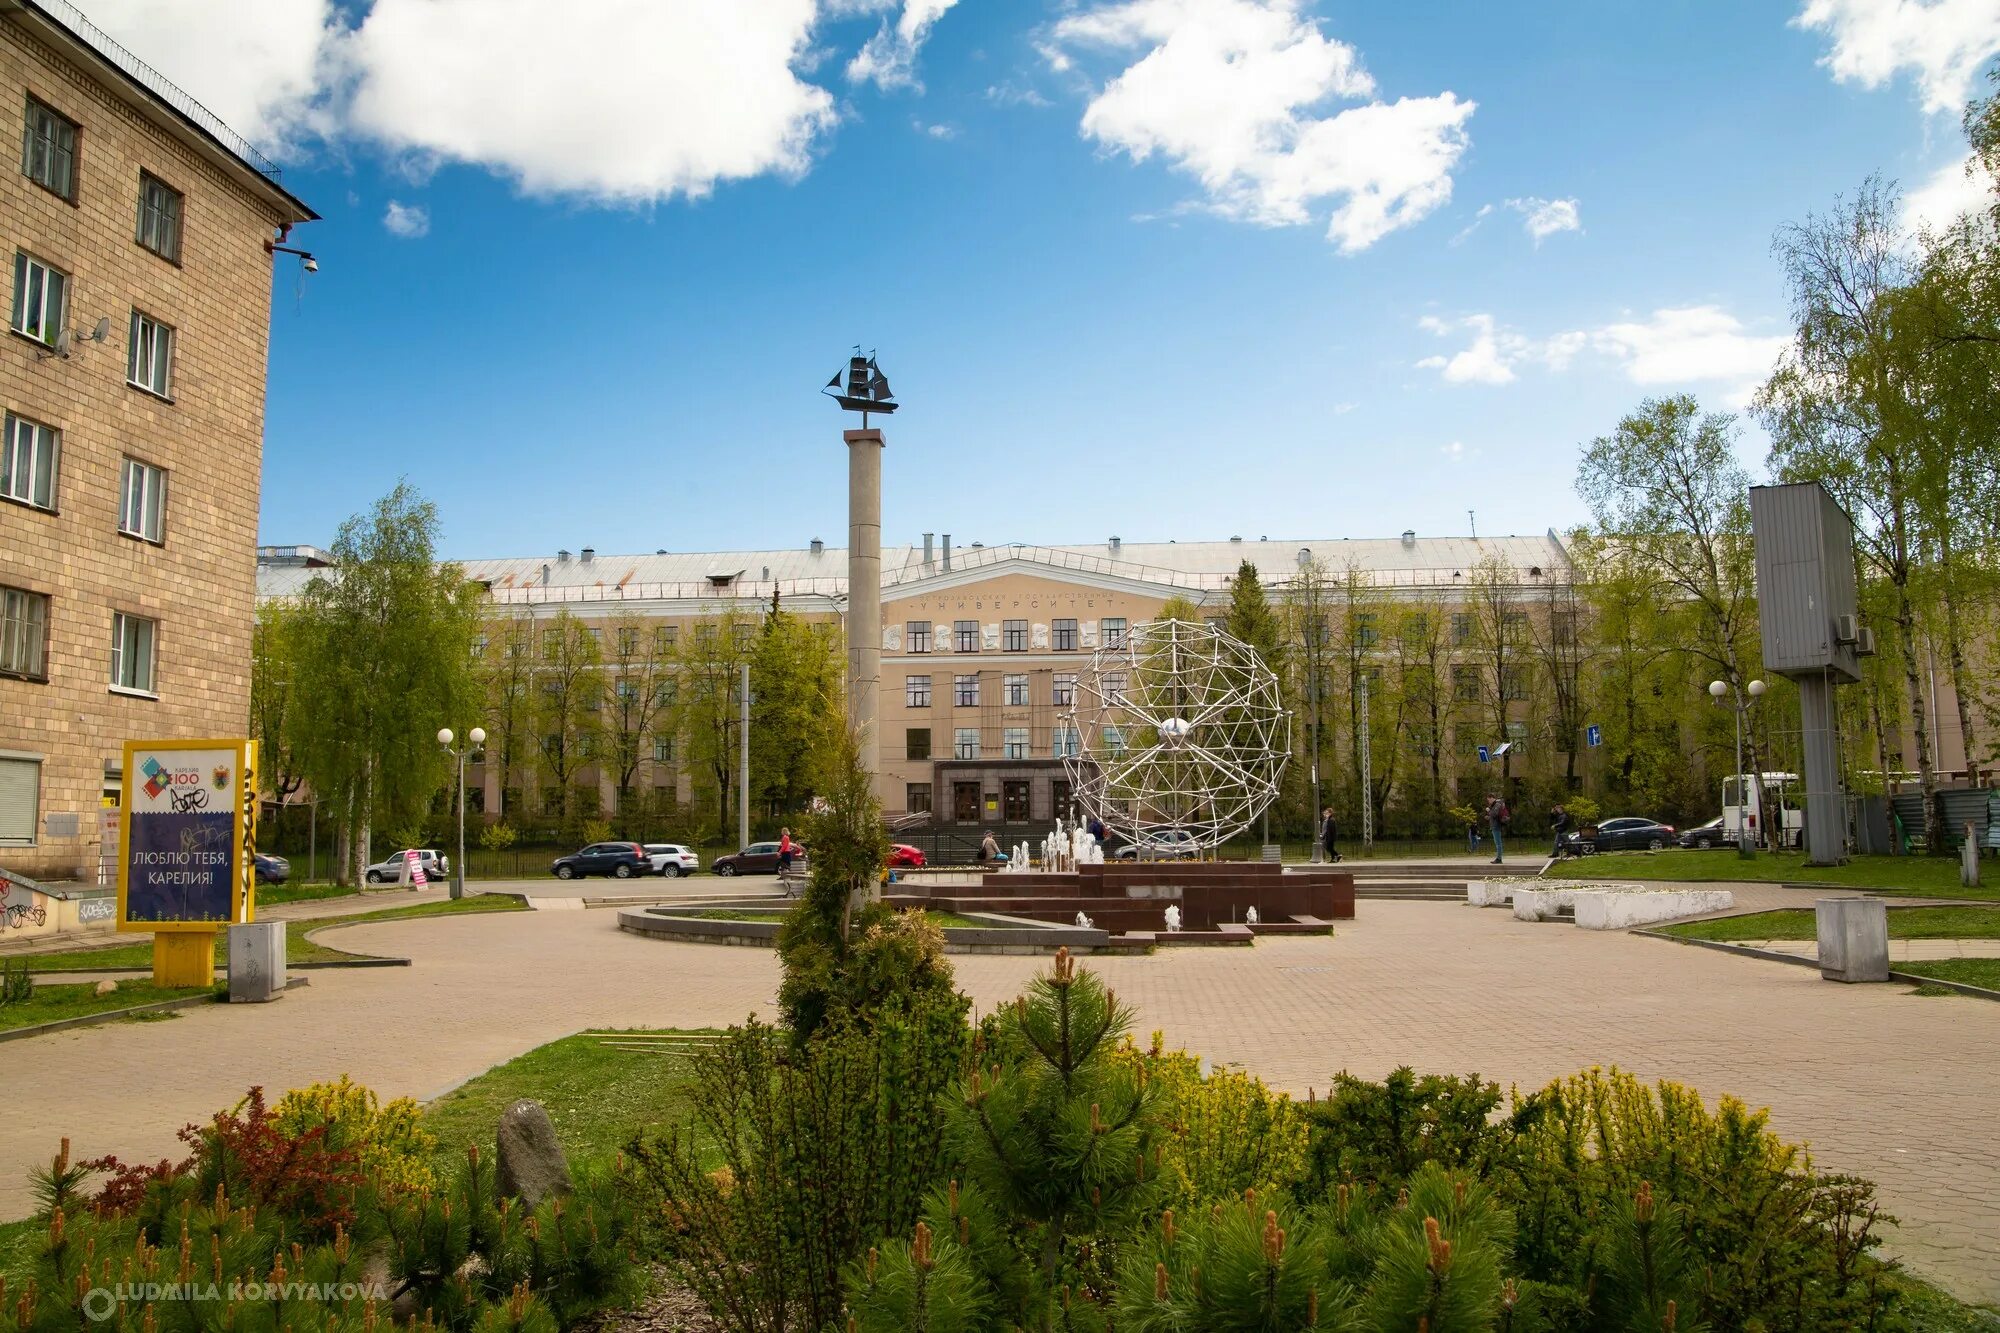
column 185, row 835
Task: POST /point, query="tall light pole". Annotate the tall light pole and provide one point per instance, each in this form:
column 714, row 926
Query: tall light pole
column 475, row 739
column 1755, row 689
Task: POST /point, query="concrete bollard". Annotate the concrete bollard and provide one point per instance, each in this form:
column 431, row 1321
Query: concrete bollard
column 1853, row 939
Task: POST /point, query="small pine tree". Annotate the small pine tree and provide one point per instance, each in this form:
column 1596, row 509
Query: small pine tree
column 1438, row 1266
column 1059, row 1134
column 1647, row 1282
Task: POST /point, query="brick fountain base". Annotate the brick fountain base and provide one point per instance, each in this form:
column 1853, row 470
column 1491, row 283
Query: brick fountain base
column 1129, row 898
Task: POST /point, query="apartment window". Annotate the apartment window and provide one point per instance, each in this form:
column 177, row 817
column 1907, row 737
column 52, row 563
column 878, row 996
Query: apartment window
column 665, row 636
column 1014, row 802
column 965, row 691
column 628, row 641
column 1064, row 693
column 917, row 636
column 552, row 691
column 159, row 217
column 142, row 501
column 1111, row 631
column 663, row 750
column 1114, row 687
column 478, row 646
column 28, row 462
column 1514, row 625
column 1014, row 742
column 917, row 798
column 1065, row 635
column 20, row 799
column 666, row 692
column 1014, row 636
column 1416, row 630
column 1514, row 683
column 965, row 635
column 596, row 636
column 965, row 802
column 965, row 743
column 1014, row 691
column 743, row 633
column 24, row 634
column 917, row 743
column 48, row 150
column 149, row 356
column 627, row 690
column 1065, row 744
column 916, row 691
column 586, row 746
column 134, row 643
column 517, row 647
column 41, row 293
column 1365, row 633
column 1114, row 740
column 1461, row 627
column 1562, row 627
column 593, row 700
column 1517, row 732
column 1465, row 684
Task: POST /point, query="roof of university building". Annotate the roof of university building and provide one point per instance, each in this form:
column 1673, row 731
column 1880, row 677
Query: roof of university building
column 1195, row 566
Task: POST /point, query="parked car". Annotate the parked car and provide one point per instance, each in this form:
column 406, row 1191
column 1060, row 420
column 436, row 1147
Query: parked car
column 902, row 856
column 1625, row 832
column 272, row 869
column 759, row 858
column 1711, row 834
column 671, row 859
column 437, row 866
column 622, row 859
column 1159, row 844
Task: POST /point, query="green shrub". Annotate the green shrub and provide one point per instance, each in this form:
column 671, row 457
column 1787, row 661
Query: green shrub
column 498, row 837
column 391, row 1146
column 1225, row 1133
column 1379, row 1134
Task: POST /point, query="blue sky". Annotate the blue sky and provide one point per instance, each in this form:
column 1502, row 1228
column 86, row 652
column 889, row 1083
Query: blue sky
column 1164, row 268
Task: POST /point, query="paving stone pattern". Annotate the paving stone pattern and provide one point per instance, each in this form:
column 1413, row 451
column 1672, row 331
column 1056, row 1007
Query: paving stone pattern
column 1880, row 1082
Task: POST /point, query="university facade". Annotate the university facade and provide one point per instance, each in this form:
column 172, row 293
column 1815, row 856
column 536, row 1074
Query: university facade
column 133, row 232
column 981, row 646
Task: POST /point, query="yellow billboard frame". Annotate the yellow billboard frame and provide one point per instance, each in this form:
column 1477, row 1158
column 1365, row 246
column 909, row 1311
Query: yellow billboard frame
column 184, row 951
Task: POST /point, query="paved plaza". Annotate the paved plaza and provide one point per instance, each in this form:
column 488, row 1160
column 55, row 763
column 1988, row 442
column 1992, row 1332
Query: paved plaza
column 1892, row 1086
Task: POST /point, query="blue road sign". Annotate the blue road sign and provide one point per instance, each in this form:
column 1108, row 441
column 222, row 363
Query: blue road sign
column 1484, row 754
column 1594, row 734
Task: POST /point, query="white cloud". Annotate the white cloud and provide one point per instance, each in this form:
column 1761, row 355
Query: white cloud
column 1478, row 220
column 1942, row 43
column 1543, row 218
column 261, row 65
column 1228, row 92
column 1953, row 190
column 628, row 101
column 1680, row 345
column 1013, row 94
column 407, row 220
column 889, row 60
column 938, row 131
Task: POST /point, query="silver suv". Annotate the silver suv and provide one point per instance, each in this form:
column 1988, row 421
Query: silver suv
column 437, row 867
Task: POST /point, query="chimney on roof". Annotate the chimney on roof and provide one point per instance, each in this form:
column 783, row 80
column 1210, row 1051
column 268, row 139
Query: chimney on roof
column 927, row 553
column 1236, row 539
column 545, row 573
column 1115, row 543
column 562, row 557
column 818, row 546
column 767, row 574
column 589, row 554
column 1409, row 536
column 947, row 553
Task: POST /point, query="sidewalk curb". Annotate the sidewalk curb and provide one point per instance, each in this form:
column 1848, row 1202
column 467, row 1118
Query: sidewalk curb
column 91, row 1020
column 1773, row 956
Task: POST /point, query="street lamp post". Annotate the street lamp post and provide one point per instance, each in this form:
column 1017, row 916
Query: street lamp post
column 475, row 739
column 1755, row 690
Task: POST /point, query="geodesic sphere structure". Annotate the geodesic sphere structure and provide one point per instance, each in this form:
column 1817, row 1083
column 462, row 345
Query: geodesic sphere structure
column 1177, row 737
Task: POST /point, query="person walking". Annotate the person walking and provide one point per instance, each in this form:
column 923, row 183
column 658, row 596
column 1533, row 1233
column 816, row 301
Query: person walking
column 1558, row 825
column 1329, row 834
column 785, row 850
column 1497, row 816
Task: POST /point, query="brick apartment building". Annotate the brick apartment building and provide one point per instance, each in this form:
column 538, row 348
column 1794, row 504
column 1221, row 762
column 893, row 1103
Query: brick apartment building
column 133, row 231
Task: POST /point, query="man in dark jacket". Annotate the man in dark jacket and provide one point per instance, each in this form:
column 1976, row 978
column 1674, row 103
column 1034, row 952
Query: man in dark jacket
column 1559, row 825
column 1329, row 834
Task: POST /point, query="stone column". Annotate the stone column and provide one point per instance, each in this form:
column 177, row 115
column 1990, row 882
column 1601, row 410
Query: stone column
column 864, row 588
column 1826, row 802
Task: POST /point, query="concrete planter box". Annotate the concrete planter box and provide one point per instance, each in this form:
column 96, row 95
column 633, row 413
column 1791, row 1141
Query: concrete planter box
column 1498, row 891
column 1853, row 939
column 1552, row 904
column 1618, row 909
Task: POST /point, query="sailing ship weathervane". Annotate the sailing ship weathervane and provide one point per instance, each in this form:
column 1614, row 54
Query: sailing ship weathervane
column 867, row 388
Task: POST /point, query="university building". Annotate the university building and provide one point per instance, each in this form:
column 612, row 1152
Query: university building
column 133, row 234
column 981, row 645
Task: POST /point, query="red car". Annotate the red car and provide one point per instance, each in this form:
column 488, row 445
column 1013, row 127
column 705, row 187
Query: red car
column 902, row 856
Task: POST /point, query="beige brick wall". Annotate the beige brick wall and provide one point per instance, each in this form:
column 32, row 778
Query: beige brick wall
column 200, row 582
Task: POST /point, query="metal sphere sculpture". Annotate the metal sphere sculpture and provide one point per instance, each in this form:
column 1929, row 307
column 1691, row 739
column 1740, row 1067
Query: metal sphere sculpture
column 1177, row 735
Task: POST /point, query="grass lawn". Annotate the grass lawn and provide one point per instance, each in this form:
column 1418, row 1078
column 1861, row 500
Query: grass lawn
column 270, row 895
column 138, row 955
column 598, row 1094
column 1905, row 923
column 1919, row 876
column 59, row 1000
column 1983, row 972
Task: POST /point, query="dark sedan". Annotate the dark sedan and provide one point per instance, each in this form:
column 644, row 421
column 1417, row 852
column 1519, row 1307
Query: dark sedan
column 759, row 858
column 1623, row 834
column 272, row 869
column 1711, row 834
column 621, row 859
